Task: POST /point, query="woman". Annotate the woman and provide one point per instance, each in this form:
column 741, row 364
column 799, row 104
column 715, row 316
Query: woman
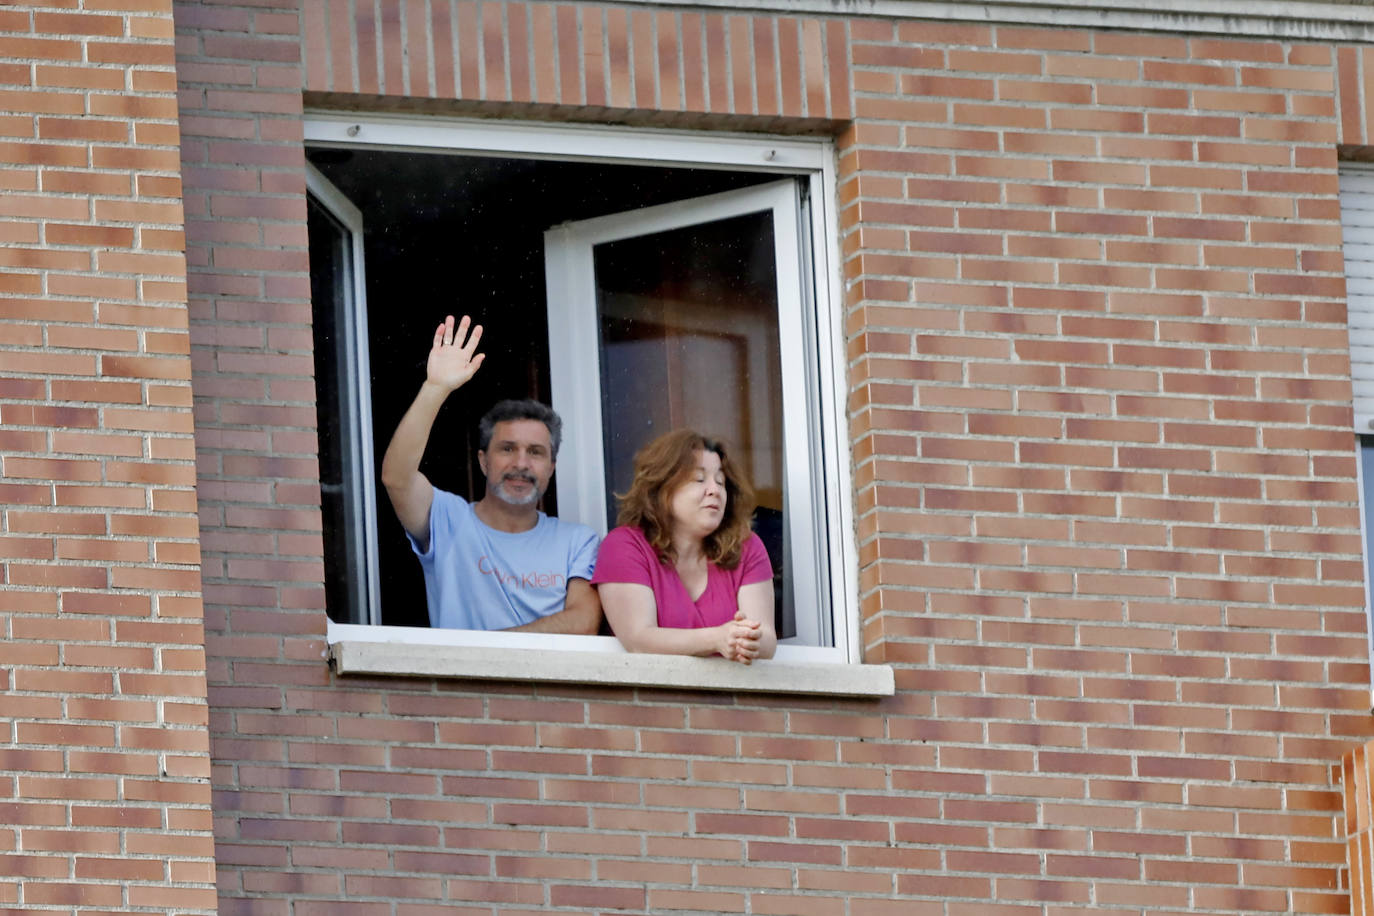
column 684, row 574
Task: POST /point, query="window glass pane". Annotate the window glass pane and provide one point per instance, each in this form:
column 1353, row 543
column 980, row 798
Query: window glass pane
column 688, row 335
column 329, row 290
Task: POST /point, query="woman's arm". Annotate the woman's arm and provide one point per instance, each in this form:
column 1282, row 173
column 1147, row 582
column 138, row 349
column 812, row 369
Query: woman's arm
column 756, row 605
column 633, row 615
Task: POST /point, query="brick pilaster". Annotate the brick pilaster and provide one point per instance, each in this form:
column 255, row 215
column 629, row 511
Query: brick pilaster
column 104, row 757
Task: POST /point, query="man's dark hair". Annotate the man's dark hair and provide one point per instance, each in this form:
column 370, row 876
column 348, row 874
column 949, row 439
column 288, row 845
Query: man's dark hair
column 526, row 409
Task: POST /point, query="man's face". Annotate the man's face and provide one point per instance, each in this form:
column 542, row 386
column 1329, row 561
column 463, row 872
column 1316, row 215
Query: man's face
column 518, row 461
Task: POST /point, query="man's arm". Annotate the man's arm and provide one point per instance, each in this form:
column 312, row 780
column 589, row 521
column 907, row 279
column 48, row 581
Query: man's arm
column 581, row 613
column 451, row 363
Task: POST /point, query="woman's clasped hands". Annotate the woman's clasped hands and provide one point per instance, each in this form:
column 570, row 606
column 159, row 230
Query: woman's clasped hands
column 740, row 638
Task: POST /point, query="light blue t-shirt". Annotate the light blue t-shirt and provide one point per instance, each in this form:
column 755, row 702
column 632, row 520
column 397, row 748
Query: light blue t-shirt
column 478, row 578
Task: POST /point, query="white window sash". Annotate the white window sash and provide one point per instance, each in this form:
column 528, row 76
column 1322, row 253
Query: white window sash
column 574, row 369
column 357, row 402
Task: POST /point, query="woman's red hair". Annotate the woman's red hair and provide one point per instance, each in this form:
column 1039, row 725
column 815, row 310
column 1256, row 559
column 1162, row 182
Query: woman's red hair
column 664, row 465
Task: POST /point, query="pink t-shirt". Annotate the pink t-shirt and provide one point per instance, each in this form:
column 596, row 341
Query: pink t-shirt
column 627, row 556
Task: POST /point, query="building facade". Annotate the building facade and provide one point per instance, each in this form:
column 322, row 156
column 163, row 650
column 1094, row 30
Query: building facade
column 1073, row 350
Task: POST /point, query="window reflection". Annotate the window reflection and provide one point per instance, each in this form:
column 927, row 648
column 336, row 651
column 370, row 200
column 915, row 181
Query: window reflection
column 688, row 326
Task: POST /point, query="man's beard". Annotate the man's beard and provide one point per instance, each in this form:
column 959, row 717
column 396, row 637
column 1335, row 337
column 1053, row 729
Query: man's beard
column 528, row 499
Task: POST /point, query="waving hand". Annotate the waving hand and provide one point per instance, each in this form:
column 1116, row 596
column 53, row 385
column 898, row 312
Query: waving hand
column 453, row 358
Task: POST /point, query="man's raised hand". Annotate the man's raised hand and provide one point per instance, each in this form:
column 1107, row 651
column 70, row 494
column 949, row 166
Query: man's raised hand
column 452, row 360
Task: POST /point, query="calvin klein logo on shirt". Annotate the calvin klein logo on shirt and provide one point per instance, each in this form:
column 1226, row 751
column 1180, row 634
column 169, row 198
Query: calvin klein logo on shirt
column 521, row 580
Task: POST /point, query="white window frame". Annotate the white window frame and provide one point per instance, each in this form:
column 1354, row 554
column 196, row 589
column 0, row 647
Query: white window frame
column 370, row 649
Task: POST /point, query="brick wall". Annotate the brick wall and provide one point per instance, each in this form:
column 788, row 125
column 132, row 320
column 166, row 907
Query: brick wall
column 104, row 764
column 1104, row 486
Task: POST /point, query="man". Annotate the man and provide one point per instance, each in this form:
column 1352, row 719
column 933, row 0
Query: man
column 499, row 563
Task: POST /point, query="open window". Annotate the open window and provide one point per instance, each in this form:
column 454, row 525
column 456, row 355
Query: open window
column 637, row 280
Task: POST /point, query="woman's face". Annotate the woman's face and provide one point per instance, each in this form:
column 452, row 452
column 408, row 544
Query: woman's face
column 698, row 505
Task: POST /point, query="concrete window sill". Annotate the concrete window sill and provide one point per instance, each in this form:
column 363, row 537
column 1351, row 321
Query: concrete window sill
column 599, row 660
